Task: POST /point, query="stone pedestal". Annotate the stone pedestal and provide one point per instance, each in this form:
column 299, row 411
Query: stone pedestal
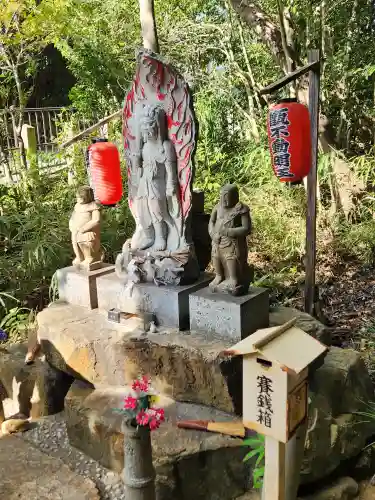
column 170, row 304
column 78, row 287
column 228, row 316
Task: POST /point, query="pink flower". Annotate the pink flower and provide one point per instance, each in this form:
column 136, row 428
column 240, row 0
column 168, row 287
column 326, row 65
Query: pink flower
column 130, row 403
column 141, row 385
column 159, row 414
column 142, row 418
column 154, row 424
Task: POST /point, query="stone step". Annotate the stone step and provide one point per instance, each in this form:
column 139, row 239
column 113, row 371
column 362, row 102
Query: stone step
column 28, row 473
column 189, row 464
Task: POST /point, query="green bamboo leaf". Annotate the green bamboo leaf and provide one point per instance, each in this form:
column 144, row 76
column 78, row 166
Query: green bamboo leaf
column 250, row 455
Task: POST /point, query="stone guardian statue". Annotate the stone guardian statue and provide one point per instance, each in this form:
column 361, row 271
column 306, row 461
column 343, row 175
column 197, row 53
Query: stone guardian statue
column 84, row 225
column 229, row 226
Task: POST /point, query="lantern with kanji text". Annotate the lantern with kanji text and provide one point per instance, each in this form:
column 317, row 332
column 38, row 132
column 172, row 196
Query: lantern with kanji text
column 104, row 171
column 289, row 140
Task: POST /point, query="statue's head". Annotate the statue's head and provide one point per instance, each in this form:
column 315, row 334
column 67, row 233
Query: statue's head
column 229, row 195
column 85, row 195
column 153, row 122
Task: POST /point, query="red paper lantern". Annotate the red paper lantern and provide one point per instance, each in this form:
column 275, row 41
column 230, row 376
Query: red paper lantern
column 289, row 138
column 103, row 163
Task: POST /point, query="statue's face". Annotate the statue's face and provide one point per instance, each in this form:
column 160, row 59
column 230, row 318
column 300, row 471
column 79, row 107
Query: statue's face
column 150, row 131
column 229, row 198
column 84, row 195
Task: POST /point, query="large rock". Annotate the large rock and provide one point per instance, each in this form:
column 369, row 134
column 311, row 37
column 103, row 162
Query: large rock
column 184, row 366
column 187, row 366
column 34, row 390
column 344, row 488
column 189, row 464
column 339, row 390
column 280, row 315
column 28, row 473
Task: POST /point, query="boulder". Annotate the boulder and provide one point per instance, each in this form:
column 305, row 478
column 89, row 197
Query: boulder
column 280, row 315
column 338, row 391
column 34, row 390
column 344, row 488
column 187, row 366
column 189, row 464
column 367, row 491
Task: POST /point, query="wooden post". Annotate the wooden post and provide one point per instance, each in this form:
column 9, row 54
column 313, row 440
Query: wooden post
column 274, row 472
column 294, row 452
column 314, row 88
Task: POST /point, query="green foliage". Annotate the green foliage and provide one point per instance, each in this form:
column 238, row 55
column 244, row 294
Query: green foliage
column 35, row 240
column 15, row 321
column 257, row 446
column 26, row 27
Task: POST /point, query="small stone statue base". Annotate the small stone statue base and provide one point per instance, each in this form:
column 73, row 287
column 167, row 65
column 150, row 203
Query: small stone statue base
column 229, row 316
column 170, row 304
column 78, row 286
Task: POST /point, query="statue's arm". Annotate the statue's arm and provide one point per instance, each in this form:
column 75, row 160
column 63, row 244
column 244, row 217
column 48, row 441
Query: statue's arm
column 211, row 224
column 243, row 230
column 93, row 223
column 170, row 167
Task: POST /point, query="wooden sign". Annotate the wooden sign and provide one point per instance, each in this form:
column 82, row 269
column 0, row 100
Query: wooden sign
column 275, row 369
column 297, row 407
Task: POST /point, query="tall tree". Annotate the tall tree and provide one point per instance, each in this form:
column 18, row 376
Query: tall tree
column 148, row 24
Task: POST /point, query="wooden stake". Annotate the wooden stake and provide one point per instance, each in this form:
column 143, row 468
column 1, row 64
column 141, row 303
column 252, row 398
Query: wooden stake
column 274, row 473
column 314, row 88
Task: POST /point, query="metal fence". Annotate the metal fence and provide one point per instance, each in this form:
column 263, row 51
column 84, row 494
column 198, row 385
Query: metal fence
column 48, row 123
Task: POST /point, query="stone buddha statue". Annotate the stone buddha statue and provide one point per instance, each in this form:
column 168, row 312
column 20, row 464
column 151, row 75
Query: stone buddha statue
column 229, row 226
column 84, row 225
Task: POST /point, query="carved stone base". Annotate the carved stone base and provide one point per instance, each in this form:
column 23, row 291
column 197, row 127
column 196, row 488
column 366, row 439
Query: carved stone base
column 78, row 287
column 164, row 268
column 87, row 267
column 170, row 304
column 228, row 316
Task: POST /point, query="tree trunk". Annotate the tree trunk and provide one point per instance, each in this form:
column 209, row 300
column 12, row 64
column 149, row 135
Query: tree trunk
column 148, row 25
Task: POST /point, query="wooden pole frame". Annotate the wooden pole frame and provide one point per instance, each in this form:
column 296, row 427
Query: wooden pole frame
column 313, row 68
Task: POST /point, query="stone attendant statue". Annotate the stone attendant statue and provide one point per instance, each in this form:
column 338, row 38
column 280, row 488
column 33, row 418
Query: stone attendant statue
column 229, row 226
column 84, row 225
column 156, row 202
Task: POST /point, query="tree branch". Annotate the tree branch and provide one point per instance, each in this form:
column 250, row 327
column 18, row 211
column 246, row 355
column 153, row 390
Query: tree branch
column 266, row 29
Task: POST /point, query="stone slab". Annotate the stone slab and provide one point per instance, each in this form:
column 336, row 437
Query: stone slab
column 228, row 316
column 170, row 304
column 189, row 464
column 77, row 286
column 28, row 473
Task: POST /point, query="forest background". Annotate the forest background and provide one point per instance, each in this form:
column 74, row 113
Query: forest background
column 227, row 50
